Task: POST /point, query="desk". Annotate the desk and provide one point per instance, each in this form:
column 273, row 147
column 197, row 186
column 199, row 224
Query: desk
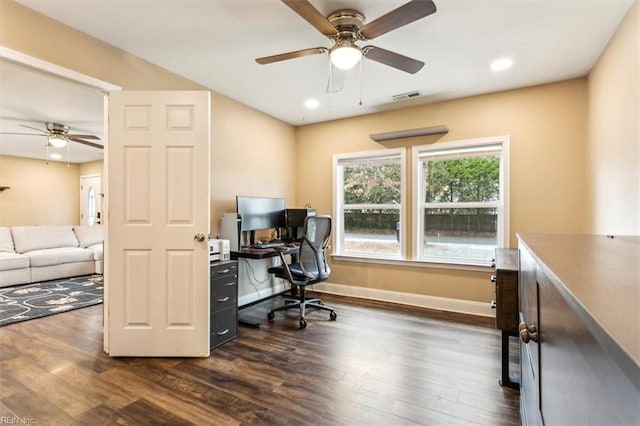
column 253, row 264
column 252, row 253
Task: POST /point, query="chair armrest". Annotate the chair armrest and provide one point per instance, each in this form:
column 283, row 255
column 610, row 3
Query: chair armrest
column 285, row 266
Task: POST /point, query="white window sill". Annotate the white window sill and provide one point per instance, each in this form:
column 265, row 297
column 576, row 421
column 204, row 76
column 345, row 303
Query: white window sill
column 411, row 263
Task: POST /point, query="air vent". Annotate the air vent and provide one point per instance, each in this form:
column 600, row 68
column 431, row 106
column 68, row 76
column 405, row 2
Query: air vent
column 404, row 96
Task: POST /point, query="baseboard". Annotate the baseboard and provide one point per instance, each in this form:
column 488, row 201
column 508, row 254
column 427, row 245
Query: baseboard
column 432, row 302
column 263, row 294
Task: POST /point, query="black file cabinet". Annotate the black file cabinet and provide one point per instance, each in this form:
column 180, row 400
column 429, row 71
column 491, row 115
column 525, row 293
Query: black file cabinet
column 223, row 305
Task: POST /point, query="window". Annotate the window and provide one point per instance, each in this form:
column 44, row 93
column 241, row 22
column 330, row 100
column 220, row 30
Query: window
column 460, row 191
column 369, row 203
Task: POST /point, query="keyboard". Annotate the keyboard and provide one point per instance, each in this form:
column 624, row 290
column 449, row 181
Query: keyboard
column 268, row 245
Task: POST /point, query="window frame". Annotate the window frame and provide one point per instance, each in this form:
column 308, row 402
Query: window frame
column 339, row 207
column 502, row 206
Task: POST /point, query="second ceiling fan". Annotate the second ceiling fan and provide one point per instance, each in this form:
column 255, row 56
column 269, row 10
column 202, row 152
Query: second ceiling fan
column 345, row 27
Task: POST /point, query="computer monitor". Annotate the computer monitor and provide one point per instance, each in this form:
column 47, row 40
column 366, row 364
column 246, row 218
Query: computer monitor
column 260, row 212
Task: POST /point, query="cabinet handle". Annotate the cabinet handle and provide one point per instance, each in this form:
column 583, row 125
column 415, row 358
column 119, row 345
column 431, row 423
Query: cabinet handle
column 528, row 332
column 493, row 304
column 223, row 332
column 224, row 299
column 230, row 284
column 224, row 271
column 493, row 278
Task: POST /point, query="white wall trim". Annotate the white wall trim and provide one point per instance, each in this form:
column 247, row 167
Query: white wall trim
column 431, row 302
column 262, row 294
column 48, row 67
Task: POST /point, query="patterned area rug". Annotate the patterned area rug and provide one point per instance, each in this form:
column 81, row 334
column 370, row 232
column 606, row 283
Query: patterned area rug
column 29, row 301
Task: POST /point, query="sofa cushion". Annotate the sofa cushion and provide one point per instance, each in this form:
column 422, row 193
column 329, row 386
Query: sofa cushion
column 6, row 241
column 9, row 261
column 58, row 256
column 30, row 238
column 98, row 251
column 89, row 235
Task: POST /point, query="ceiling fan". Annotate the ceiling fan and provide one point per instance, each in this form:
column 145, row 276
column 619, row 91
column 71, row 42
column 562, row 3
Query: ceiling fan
column 346, row 26
column 58, row 135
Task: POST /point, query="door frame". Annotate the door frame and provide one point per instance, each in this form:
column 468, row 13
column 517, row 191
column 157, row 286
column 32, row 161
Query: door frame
column 101, row 87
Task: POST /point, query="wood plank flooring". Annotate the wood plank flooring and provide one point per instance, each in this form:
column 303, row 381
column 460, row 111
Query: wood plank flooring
column 378, row 364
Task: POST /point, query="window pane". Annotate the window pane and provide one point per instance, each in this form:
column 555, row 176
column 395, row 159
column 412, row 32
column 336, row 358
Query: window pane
column 372, row 183
column 371, row 231
column 460, row 234
column 462, row 179
column 91, row 207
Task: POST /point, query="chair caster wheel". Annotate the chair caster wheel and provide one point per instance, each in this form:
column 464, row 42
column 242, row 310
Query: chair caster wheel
column 271, row 315
column 303, row 323
column 333, row 316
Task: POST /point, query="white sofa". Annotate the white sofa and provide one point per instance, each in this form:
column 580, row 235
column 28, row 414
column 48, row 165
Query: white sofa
column 30, row 254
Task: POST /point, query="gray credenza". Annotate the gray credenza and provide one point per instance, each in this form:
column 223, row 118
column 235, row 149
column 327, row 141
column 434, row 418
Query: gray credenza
column 223, row 305
column 579, row 317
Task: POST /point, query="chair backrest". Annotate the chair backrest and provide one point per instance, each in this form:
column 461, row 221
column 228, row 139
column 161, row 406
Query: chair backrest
column 312, row 256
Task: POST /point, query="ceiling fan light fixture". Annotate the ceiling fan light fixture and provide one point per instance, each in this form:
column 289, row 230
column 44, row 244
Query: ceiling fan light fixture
column 57, row 140
column 501, row 64
column 345, row 55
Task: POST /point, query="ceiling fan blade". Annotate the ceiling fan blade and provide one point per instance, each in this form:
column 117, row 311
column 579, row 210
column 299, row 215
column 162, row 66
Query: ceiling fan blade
column 95, row 145
column 392, row 59
column 291, row 55
column 336, row 80
column 34, row 128
column 312, row 16
column 94, row 137
column 405, row 14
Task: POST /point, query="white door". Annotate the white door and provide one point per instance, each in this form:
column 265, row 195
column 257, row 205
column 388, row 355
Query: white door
column 156, row 260
column 90, row 200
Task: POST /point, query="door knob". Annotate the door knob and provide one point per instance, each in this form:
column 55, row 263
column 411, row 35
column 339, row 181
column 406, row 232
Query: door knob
column 528, row 332
column 199, row 237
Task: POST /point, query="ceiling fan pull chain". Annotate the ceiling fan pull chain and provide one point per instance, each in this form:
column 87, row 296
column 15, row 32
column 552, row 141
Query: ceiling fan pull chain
column 68, row 155
column 360, row 77
column 329, row 98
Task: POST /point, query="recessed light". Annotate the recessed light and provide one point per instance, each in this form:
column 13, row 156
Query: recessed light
column 55, row 156
column 501, row 64
column 311, row 103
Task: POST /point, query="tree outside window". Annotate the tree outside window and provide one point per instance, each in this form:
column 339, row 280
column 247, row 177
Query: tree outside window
column 369, row 201
column 460, row 209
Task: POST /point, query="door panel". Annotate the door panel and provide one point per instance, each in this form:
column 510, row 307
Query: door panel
column 158, row 273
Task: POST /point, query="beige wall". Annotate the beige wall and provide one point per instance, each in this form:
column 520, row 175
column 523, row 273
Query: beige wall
column 92, row 168
column 246, row 147
column 40, row 193
column 547, row 126
column 613, row 161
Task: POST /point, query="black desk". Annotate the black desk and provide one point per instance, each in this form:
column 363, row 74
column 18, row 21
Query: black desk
column 253, row 253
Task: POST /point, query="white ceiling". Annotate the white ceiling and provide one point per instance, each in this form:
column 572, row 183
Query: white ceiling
column 32, row 98
column 215, row 43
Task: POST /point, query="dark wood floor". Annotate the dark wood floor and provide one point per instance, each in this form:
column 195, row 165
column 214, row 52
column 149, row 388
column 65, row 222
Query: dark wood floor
column 378, row 364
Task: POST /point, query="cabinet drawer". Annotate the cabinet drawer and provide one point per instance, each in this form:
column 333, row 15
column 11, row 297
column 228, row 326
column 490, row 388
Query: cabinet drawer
column 223, row 294
column 506, row 281
column 224, row 270
column 224, row 326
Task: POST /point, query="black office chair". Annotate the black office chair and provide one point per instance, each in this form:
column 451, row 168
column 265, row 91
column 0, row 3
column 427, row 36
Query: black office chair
column 311, row 267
